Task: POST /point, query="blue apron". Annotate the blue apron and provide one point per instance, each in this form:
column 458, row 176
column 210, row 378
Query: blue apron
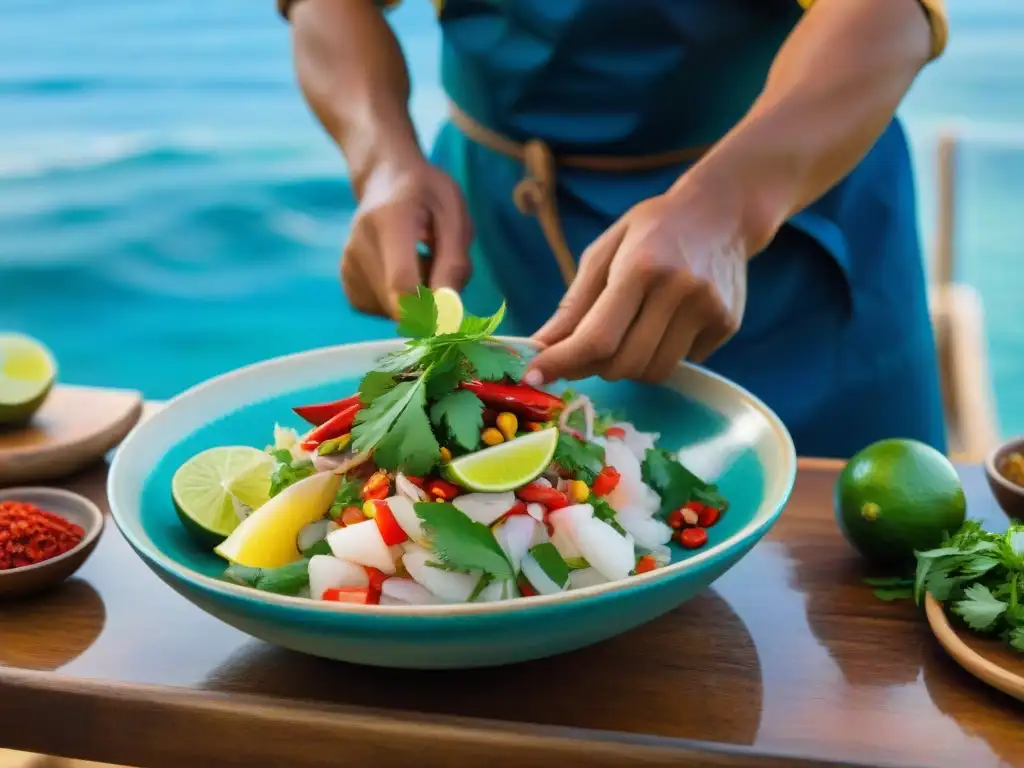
column 836, row 336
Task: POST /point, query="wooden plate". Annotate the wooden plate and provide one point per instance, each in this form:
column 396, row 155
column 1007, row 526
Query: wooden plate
column 74, row 428
column 991, row 661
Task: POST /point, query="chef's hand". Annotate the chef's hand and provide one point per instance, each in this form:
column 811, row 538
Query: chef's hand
column 400, row 208
column 668, row 281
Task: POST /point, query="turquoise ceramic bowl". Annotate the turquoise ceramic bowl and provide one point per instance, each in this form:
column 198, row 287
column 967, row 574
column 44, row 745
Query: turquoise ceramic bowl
column 241, row 407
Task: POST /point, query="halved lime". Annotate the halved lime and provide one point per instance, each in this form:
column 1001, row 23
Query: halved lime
column 268, row 537
column 27, row 373
column 449, row 310
column 203, row 487
column 506, row 466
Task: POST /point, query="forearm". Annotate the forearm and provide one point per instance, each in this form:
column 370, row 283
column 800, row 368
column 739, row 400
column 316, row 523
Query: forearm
column 831, row 92
column 353, row 75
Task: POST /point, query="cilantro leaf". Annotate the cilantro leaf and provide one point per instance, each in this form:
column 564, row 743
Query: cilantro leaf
column 446, row 375
column 350, row 494
column 462, row 543
column 492, row 362
column 605, row 512
column 675, row 484
column 581, row 459
column 551, row 562
column 417, row 314
column 374, row 384
column 979, row 608
column 288, row 471
column 481, row 327
column 462, row 411
column 410, row 445
column 1016, row 638
column 396, row 428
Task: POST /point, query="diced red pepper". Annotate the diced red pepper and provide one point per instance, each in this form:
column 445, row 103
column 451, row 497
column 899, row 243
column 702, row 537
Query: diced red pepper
column 645, row 564
column 441, row 489
column 552, row 498
column 357, row 595
column 377, row 578
column 519, row 508
column 318, row 413
column 693, row 538
column 352, row 515
column 617, row 432
column 377, row 486
column 338, row 425
column 708, row 517
column 390, row 530
column 694, row 506
column 417, row 481
column 525, row 402
column 607, row 480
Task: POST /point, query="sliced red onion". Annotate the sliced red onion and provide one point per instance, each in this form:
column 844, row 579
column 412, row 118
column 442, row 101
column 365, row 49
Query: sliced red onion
column 581, row 403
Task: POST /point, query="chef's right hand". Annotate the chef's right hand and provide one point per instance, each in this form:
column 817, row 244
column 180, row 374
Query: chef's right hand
column 399, row 209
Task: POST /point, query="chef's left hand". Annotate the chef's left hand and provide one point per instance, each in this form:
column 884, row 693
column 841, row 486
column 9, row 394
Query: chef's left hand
column 666, row 282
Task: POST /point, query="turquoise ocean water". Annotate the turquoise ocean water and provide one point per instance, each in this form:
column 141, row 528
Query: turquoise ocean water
column 169, row 210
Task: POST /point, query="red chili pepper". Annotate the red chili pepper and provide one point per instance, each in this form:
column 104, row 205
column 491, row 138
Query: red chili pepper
column 352, row 515
column 417, row 481
column 319, row 413
column 377, row 578
column 519, row 508
column 617, row 432
column 377, row 486
column 338, row 425
column 645, row 564
column 441, row 489
column 526, row 402
column 552, row 498
column 607, row 480
column 490, row 416
column 390, row 530
column 675, row 519
column 358, row 595
column 693, row 538
column 708, row 517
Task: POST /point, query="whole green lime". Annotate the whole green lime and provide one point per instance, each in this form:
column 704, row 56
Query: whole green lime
column 897, row 496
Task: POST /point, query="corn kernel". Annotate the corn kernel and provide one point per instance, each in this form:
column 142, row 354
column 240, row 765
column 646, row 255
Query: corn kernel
column 491, row 436
column 578, row 491
column 446, row 455
column 507, row 424
column 369, row 509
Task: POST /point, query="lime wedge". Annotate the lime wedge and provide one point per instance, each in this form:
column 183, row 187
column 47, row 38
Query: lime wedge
column 27, row 372
column 449, row 310
column 267, row 537
column 506, row 466
column 203, row 487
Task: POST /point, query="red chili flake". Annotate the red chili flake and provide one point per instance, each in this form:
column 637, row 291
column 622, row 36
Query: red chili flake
column 30, row 535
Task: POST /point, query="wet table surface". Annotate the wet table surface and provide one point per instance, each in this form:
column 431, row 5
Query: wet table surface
column 787, row 660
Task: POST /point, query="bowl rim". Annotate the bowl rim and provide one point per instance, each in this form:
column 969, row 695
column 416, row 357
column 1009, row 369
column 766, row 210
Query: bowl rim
column 97, row 520
column 993, row 471
column 152, row 555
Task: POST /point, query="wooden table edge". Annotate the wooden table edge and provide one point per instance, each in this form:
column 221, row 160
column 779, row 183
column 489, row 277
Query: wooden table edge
column 371, row 732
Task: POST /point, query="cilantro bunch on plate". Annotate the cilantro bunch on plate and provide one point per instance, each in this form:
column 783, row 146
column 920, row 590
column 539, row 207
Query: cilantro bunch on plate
column 412, row 397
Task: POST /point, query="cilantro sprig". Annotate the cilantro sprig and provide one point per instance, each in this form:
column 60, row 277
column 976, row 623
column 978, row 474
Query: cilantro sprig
column 288, row 470
column 463, row 544
column 675, row 484
column 416, row 388
column 979, row 576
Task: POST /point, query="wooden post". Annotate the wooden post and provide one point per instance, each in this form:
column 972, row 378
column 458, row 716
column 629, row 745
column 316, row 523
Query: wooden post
column 945, row 240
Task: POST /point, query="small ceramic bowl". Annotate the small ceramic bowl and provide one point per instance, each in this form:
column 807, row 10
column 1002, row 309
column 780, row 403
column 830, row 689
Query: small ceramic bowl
column 18, row 582
column 1009, row 495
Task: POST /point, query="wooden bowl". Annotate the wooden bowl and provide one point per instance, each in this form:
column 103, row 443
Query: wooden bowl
column 1009, row 495
column 18, row 582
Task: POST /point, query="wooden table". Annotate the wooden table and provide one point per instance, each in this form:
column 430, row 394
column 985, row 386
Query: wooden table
column 787, row 661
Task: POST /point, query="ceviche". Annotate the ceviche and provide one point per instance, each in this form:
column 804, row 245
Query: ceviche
column 444, row 479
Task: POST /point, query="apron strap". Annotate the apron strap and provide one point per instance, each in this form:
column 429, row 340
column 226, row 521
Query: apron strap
column 535, row 195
